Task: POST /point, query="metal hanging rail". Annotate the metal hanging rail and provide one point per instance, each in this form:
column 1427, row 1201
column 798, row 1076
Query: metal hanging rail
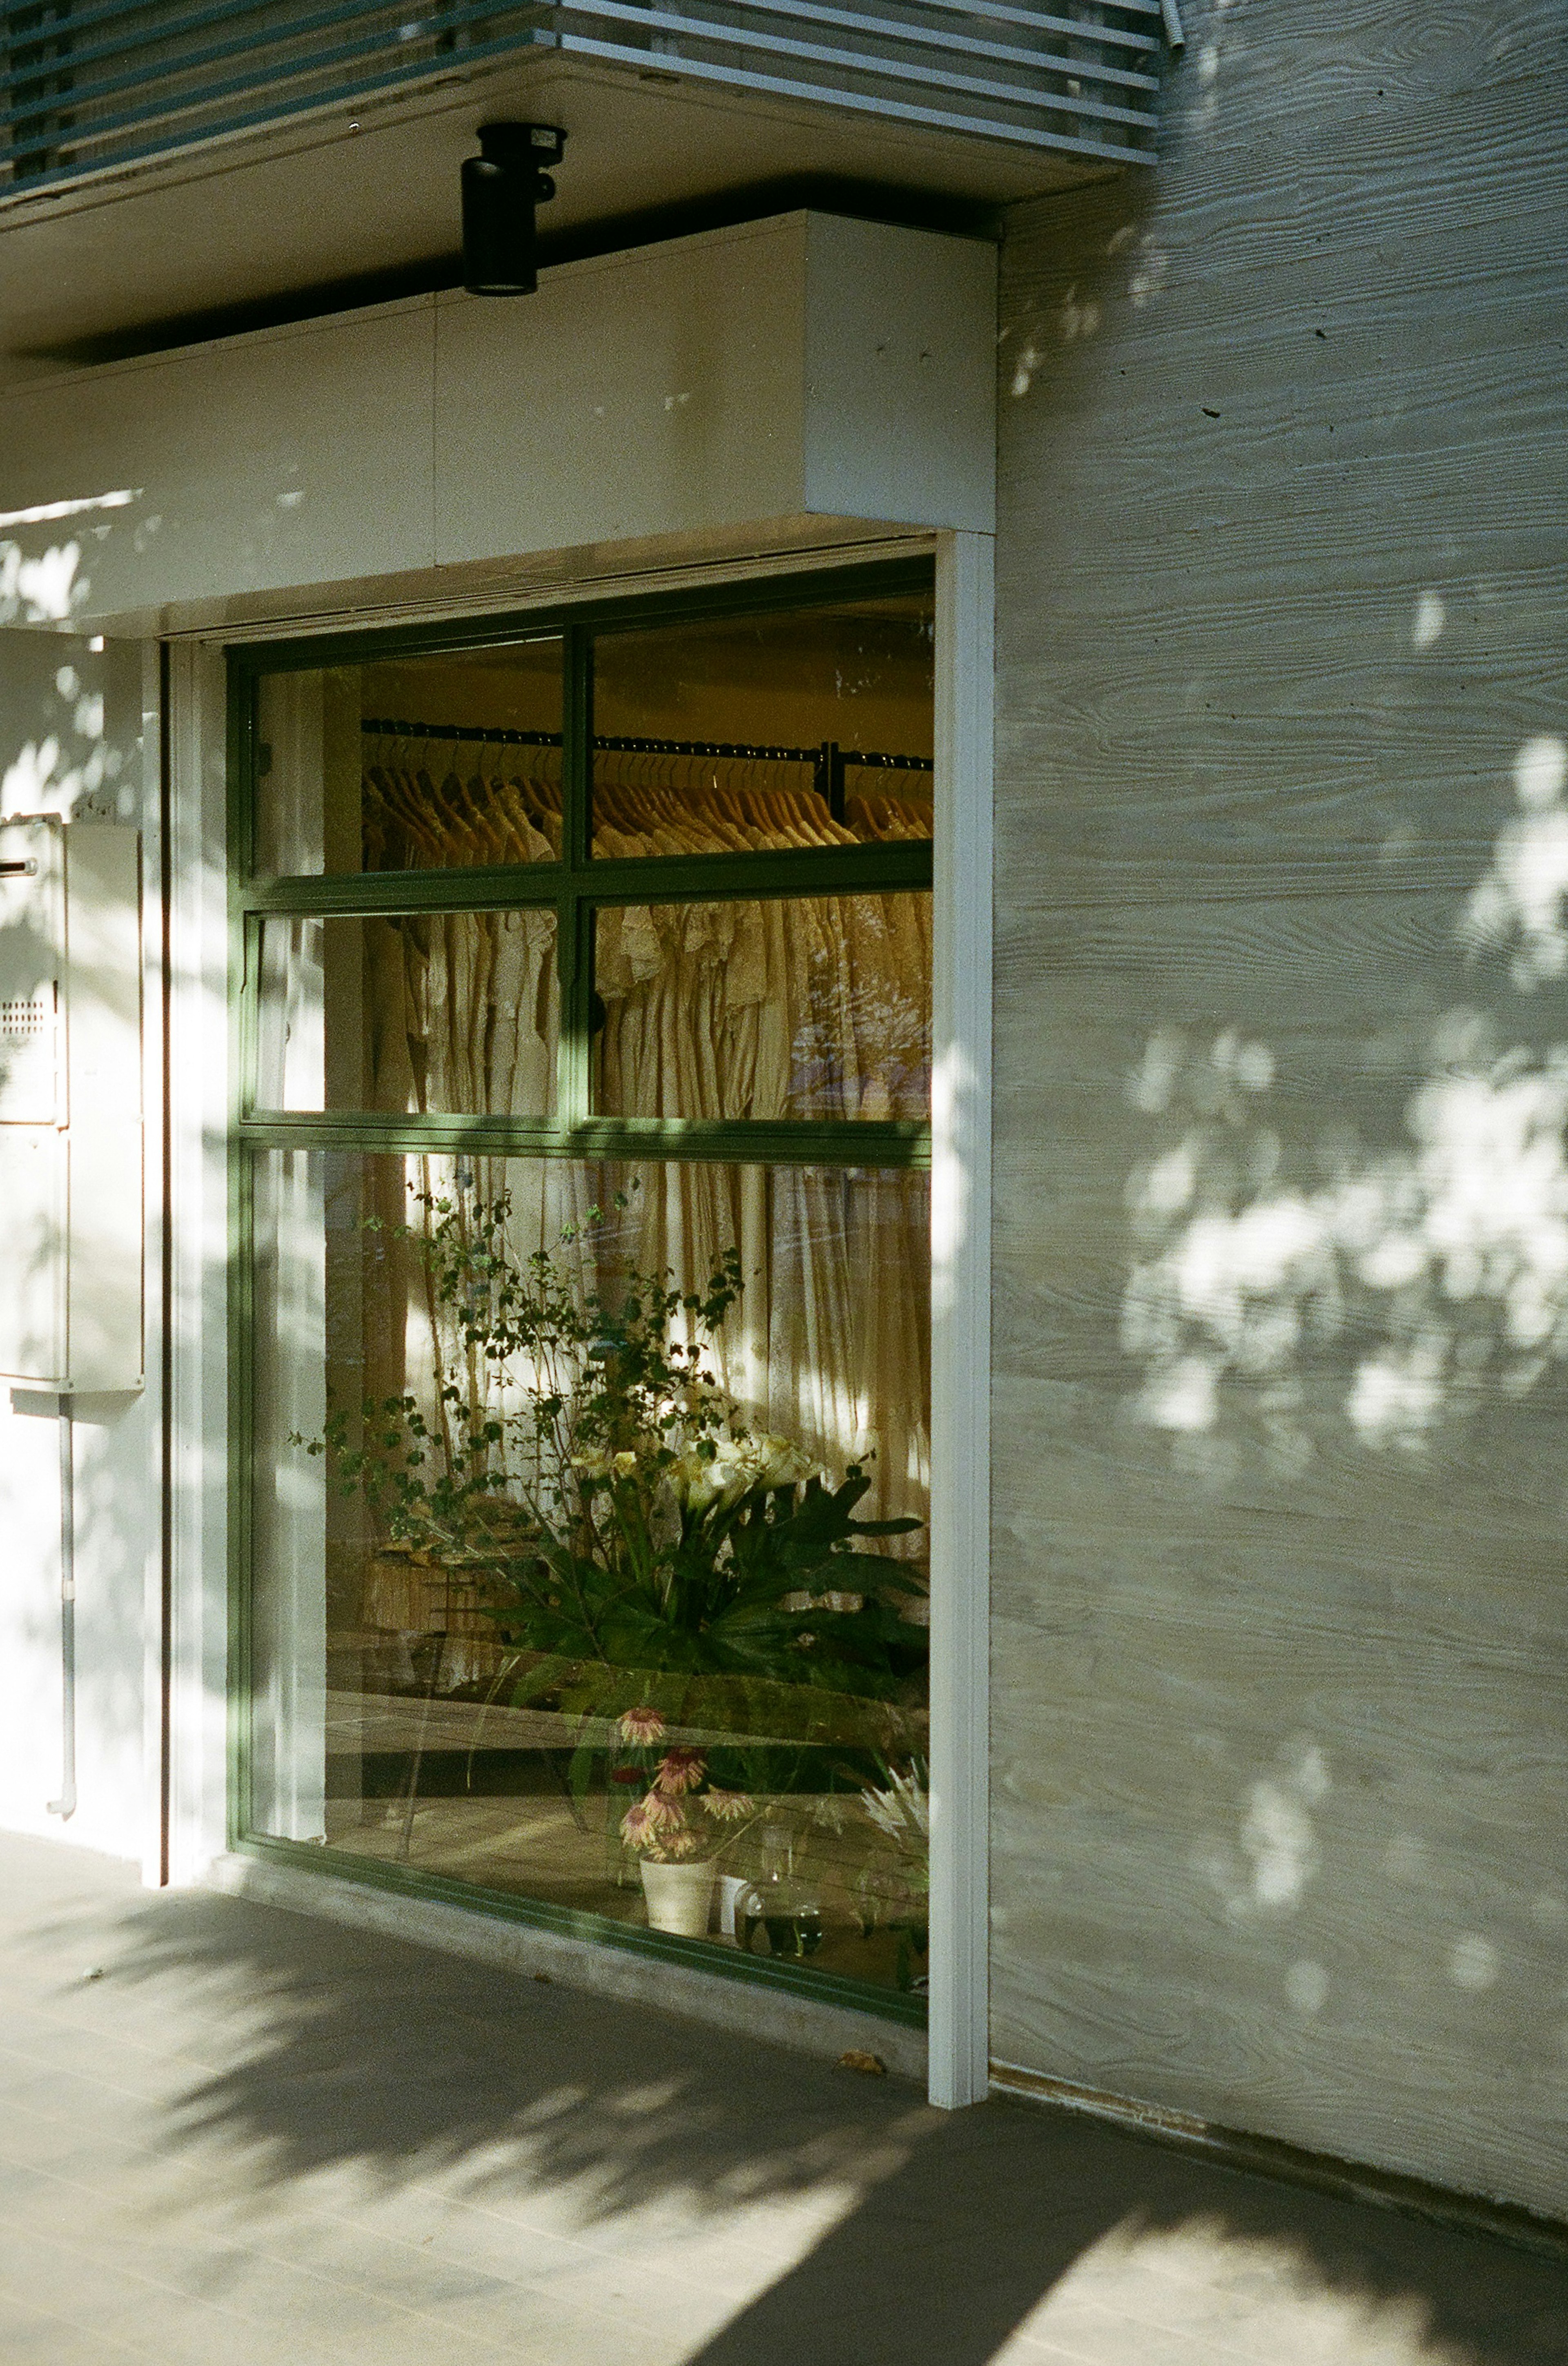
column 742, row 752
column 88, row 86
column 829, row 761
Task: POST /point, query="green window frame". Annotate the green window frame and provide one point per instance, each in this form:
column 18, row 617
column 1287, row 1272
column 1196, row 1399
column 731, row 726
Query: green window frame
column 573, row 889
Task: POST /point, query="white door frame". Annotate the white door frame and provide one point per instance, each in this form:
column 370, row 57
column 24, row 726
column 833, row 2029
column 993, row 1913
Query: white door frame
column 961, row 1325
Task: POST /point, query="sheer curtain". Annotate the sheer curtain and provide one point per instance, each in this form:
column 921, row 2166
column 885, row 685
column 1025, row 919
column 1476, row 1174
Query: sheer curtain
column 813, row 1008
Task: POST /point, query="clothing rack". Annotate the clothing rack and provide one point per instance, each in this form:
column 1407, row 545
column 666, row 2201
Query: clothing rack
column 829, row 761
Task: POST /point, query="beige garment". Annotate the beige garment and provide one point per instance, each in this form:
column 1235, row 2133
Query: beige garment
column 814, row 1006
column 762, row 1009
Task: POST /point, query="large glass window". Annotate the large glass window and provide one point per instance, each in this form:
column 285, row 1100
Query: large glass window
column 582, row 1285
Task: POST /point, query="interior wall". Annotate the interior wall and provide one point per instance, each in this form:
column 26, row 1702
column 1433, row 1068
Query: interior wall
column 1280, row 1492
column 72, row 743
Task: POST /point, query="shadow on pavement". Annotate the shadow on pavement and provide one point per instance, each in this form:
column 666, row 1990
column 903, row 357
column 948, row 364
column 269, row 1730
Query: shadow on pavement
column 343, row 2049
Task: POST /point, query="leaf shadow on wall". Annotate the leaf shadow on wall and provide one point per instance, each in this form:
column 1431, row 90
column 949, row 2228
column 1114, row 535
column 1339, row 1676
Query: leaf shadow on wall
column 1291, row 1297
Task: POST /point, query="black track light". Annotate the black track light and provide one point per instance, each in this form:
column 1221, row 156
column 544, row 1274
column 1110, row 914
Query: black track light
column 500, row 189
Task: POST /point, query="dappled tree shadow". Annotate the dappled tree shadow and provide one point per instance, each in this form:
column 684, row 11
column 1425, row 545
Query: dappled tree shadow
column 1287, row 1294
column 993, row 2210
column 347, row 2051
column 397, row 2059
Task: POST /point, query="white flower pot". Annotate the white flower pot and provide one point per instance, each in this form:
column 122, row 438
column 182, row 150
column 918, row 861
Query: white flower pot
column 680, row 1896
column 732, row 1888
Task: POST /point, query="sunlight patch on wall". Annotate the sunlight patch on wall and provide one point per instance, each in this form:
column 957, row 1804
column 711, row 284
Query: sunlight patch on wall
column 1306, row 1987
column 1274, row 1299
column 1430, row 617
column 1518, row 905
column 58, row 753
column 1264, row 1877
column 1475, row 1964
column 44, row 590
column 50, row 512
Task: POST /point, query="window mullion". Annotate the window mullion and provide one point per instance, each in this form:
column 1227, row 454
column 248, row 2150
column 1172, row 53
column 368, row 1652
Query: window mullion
column 793, row 1141
column 880, row 868
column 574, row 930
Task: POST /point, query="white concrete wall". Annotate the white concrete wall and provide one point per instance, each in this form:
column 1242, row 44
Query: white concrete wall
column 72, row 742
column 794, row 368
column 1280, row 1646
column 786, row 369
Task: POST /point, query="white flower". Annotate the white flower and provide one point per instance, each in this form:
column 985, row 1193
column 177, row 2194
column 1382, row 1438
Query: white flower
column 732, row 1467
column 903, row 1812
column 779, row 1461
column 697, row 1481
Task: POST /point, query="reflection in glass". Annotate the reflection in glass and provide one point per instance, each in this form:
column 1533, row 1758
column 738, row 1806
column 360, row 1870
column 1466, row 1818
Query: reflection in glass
column 813, row 727
column 425, row 763
column 814, row 1006
column 594, row 1599
column 449, row 1012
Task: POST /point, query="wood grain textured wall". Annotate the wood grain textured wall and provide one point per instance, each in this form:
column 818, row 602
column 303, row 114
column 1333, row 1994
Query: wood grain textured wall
column 1280, row 1463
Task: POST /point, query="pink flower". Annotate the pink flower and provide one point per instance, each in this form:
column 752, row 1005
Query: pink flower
column 679, row 1771
column 656, row 1824
column 637, row 1826
column 729, row 1807
column 642, row 1727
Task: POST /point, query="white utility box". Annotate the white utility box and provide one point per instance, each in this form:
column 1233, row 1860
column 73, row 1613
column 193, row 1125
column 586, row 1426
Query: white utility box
column 71, row 1180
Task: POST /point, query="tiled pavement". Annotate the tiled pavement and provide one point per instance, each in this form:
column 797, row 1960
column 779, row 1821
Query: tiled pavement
column 233, row 2136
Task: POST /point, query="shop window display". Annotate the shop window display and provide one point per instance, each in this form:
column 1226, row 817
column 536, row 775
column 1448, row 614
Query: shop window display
column 585, row 1276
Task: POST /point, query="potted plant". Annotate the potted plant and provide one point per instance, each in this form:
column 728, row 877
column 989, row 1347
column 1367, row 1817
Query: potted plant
column 899, row 1806
column 632, row 1536
column 679, row 1829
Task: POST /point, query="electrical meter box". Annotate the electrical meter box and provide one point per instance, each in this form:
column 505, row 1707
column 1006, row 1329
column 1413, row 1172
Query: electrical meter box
column 70, row 1154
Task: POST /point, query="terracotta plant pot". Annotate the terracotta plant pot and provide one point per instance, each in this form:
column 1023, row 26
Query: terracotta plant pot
column 680, row 1896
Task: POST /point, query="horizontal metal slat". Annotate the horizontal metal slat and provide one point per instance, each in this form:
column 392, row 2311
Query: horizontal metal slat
column 1076, row 28
column 992, row 69
column 860, row 62
column 152, row 34
column 1065, row 27
column 924, row 38
column 447, row 20
column 123, row 12
column 990, row 11
column 896, row 110
column 235, row 86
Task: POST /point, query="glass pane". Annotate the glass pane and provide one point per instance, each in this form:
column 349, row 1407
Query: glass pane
column 575, row 1588
column 814, row 1006
column 423, row 763
column 455, row 1012
column 809, row 728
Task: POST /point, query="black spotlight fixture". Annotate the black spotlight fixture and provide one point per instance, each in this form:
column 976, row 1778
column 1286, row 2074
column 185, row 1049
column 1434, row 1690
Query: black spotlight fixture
column 500, row 189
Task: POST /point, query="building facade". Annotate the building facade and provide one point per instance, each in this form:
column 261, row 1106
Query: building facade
column 965, row 710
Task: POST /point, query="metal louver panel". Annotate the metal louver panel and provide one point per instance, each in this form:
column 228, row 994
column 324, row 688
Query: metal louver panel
column 88, row 85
